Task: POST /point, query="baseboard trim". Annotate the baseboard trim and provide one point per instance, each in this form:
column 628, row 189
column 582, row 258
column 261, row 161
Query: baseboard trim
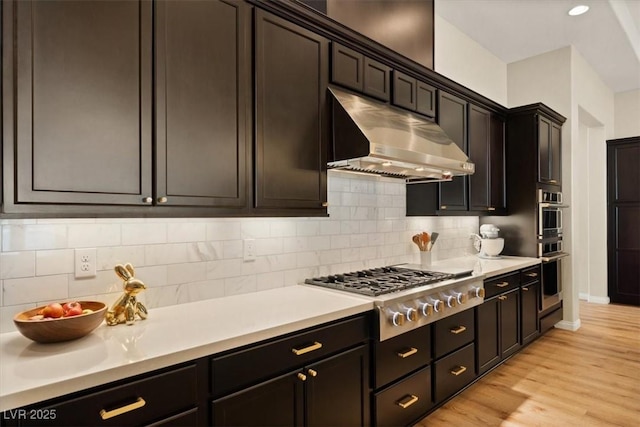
column 583, row 296
column 568, row 326
column 599, row 300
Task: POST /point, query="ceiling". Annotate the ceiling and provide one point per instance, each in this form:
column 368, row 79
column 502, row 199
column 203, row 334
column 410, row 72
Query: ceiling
column 607, row 36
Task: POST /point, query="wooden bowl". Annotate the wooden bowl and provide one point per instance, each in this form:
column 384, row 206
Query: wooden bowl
column 63, row 328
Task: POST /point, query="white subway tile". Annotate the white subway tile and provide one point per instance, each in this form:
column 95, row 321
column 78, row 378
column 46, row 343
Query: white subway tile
column 187, row 232
column 329, row 227
column 297, row 276
column 93, row 235
column 28, row 237
column 350, row 255
column 160, row 297
column 349, row 199
column 7, row 314
column 333, row 256
column 340, row 242
column 152, row 275
column 17, row 264
column 319, row 243
column 359, row 240
column 58, row 261
column 284, row 228
column 308, row 228
column 32, row 289
column 104, row 282
column 166, row 254
column 240, row 285
column 205, row 251
column 349, row 227
column 232, row 249
column 270, row 280
column 223, row 230
column 295, row 244
column 369, row 226
column 221, row 269
column 362, row 213
column 187, row 272
column 202, row 290
column 269, row 246
column 307, row 259
column 144, row 234
column 258, row 266
column 254, row 228
column 108, row 257
column 281, row 262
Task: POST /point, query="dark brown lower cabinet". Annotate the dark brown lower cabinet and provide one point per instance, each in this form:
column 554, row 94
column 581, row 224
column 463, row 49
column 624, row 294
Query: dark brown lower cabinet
column 530, row 297
column 454, row 372
column 498, row 329
column 404, row 402
column 333, row 391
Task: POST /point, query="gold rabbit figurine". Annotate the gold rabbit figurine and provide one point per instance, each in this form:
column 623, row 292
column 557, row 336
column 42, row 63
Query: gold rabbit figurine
column 124, row 310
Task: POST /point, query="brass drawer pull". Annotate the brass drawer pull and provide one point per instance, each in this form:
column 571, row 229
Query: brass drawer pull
column 301, row 376
column 531, row 274
column 409, row 400
column 300, row 351
column 502, row 297
column 491, row 208
column 105, row 415
column 459, row 371
column 312, row 373
column 503, row 284
column 458, row 330
column 525, row 288
column 408, row 353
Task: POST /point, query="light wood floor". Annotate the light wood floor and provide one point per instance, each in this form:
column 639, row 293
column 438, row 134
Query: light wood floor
column 590, row 377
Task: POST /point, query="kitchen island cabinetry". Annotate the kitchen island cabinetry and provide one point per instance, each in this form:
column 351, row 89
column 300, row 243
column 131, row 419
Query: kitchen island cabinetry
column 530, row 287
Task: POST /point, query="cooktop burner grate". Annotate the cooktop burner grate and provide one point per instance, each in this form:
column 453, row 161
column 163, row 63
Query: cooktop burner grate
column 379, row 281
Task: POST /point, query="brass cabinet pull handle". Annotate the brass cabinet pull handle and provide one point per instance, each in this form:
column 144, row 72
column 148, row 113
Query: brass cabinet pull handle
column 301, row 376
column 139, row 403
column 147, row 200
column 312, row 373
column 325, row 204
column 410, row 400
column 300, row 351
column 408, row 353
column 458, row 371
column 502, row 297
column 503, row 284
column 553, row 181
column 532, row 274
column 443, row 207
column 491, row 208
column 458, row 330
column 162, row 199
column 525, row 288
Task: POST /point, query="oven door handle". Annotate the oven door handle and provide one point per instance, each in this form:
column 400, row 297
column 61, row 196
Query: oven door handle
column 552, row 205
column 546, row 259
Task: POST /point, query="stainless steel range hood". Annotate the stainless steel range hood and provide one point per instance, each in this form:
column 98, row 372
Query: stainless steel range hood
column 375, row 138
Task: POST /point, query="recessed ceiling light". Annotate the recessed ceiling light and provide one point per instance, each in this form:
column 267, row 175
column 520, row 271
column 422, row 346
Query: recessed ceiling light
column 578, row 10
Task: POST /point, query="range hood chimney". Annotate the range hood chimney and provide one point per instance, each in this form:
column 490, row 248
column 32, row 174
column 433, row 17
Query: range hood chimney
column 375, row 138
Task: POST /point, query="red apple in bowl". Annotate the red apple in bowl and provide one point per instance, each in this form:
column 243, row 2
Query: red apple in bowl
column 53, row 310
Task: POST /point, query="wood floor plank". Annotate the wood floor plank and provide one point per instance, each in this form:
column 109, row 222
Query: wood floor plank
column 590, row 377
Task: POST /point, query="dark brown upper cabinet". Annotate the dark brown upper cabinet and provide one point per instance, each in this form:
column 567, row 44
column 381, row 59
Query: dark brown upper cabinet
column 413, row 94
column 355, row 71
column 452, row 118
column 77, row 119
column 549, row 157
column 486, row 151
column 291, row 80
column 203, row 99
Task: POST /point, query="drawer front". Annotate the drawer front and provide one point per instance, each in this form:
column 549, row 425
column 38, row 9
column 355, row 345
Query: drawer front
column 242, row 368
column 530, row 275
column 501, row 284
column 454, row 372
column 453, row 332
column 405, row 353
column 187, row 418
column 146, row 401
column 404, row 402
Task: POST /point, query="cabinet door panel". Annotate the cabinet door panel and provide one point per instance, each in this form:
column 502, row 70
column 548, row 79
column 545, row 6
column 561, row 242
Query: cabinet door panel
column 425, row 99
column 544, row 134
column 203, row 93
column 338, row 395
column 404, row 91
column 291, row 83
column 555, row 154
column 347, row 68
column 497, row 165
column 452, row 118
column 377, row 79
column 479, row 135
column 278, row 402
column 83, row 93
column 487, row 342
column 530, row 295
column 509, row 322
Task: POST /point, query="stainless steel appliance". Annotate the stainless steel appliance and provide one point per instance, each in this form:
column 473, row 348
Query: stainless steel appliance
column 373, row 137
column 549, row 214
column 408, row 298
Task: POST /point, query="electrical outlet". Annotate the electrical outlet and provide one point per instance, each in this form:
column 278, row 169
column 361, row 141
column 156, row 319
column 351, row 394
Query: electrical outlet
column 85, row 263
column 249, row 250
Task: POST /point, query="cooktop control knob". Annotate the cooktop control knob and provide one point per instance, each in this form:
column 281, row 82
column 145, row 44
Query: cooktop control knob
column 476, row 292
column 395, row 317
column 437, row 304
column 425, row 308
column 451, row 301
column 460, row 297
column 410, row 313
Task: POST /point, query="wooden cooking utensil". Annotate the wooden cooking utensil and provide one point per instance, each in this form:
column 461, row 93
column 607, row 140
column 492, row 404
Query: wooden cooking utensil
column 416, row 240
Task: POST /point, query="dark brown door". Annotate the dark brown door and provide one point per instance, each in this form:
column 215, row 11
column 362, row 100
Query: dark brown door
column 529, row 301
column 488, row 352
column 509, row 322
column 291, row 66
column 479, row 154
column 203, row 98
column 347, row 67
column 452, row 118
column 83, row 101
column 278, row 402
column 338, row 390
column 404, row 91
column 623, row 236
column 497, row 166
column 549, row 147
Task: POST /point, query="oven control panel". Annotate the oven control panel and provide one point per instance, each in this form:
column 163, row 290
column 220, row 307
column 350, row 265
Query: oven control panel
column 423, row 307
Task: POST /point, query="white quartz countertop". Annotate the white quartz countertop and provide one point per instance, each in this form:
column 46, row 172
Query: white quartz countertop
column 32, row 372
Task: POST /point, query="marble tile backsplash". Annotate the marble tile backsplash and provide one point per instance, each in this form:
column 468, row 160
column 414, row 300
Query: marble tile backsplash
column 189, row 259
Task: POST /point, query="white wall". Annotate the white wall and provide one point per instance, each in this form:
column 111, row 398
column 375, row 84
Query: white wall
column 189, row 259
column 627, row 114
column 464, row 61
